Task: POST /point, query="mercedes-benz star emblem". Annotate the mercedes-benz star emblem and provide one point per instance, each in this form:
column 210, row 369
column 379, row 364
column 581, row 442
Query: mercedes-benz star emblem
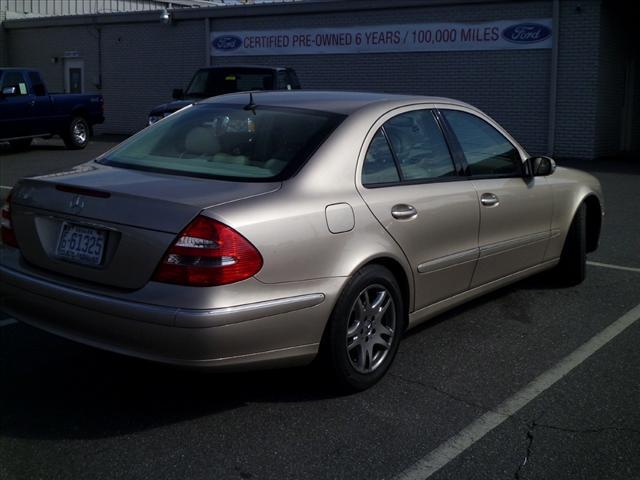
column 76, row 204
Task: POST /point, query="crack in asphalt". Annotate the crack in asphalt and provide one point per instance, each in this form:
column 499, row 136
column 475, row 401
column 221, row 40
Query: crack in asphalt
column 531, row 426
column 525, row 460
column 534, row 424
column 445, row 393
column 590, row 430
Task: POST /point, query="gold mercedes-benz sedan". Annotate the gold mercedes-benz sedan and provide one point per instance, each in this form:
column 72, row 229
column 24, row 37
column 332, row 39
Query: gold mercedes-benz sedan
column 270, row 228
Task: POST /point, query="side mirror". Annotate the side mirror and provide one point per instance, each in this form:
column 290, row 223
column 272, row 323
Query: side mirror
column 178, row 94
column 543, row 166
column 538, row 167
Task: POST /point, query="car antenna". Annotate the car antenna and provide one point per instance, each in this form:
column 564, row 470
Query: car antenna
column 251, row 105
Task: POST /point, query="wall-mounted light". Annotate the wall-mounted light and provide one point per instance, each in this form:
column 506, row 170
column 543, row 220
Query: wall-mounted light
column 165, row 17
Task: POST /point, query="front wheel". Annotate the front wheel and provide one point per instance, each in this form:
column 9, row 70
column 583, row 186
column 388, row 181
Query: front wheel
column 77, row 136
column 364, row 329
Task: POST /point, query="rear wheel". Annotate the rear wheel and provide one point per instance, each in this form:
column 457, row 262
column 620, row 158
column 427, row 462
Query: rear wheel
column 21, row 144
column 573, row 261
column 364, row 329
column 77, row 136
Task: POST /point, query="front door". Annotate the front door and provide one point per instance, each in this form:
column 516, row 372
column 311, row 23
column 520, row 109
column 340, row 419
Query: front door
column 412, row 186
column 515, row 212
column 16, row 105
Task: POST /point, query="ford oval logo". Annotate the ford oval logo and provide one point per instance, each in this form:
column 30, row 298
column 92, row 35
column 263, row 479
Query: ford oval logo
column 526, row 33
column 227, row 42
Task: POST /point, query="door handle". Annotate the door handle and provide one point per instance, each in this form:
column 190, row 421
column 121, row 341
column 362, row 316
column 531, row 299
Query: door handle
column 403, row 211
column 489, row 200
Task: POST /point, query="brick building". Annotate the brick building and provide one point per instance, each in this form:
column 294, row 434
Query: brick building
column 576, row 97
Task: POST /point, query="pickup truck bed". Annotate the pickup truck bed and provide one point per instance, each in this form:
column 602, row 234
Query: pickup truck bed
column 28, row 111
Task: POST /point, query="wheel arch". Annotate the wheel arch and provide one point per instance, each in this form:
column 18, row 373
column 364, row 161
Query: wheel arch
column 402, row 276
column 79, row 111
column 594, row 221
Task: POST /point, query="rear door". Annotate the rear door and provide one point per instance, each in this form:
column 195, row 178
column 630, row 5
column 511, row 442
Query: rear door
column 411, row 184
column 515, row 212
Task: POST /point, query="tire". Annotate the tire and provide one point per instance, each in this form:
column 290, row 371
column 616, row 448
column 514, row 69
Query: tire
column 77, row 136
column 360, row 344
column 21, row 144
column 573, row 260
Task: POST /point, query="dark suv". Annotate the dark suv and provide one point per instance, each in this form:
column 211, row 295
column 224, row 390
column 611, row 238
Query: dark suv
column 212, row 81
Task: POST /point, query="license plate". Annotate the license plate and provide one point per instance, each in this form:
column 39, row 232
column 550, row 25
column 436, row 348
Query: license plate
column 81, row 244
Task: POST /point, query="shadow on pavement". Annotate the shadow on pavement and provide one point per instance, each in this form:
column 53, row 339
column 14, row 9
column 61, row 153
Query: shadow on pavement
column 62, row 390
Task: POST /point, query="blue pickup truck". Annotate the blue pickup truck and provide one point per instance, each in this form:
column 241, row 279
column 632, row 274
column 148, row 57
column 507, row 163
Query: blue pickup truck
column 28, row 111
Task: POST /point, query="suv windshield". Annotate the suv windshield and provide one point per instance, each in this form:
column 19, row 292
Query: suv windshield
column 228, row 142
column 210, row 83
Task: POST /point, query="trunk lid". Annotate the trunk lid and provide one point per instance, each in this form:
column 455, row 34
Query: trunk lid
column 137, row 214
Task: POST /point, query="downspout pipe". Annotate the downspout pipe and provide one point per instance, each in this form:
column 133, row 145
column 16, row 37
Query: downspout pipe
column 553, row 84
column 207, row 41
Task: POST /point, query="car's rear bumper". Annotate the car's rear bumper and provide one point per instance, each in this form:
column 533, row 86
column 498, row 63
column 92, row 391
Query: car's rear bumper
column 276, row 332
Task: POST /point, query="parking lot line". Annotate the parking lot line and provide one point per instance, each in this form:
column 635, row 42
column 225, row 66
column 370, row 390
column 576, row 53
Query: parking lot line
column 4, row 187
column 615, row 267
column 7, row 322
column 475, row 431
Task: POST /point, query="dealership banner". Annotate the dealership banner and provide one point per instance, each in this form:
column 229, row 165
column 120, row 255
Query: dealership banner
column 421, row 37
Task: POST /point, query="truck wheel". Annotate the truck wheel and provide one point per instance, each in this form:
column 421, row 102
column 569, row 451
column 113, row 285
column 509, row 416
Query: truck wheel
column 364, row 329
column 78, row 135
column 21, row 144
column 573, row 261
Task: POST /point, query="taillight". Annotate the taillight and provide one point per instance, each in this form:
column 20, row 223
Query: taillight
column 8, row 235
column 208, row 253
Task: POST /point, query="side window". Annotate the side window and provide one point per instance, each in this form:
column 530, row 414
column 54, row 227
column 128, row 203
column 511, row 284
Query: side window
column 283, row 81
column 487, row 151
column 420, row 147
column 15, row 80
column 293, row 79
column 379, row 166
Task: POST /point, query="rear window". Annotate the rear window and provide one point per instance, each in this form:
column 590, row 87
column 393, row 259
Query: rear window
column 228, row 142
column 210, row 83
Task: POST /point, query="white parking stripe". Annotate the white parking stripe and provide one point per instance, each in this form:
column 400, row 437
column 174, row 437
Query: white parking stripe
column 615, row 267
column 7, row 322
column 4, row 187
column 475, row 431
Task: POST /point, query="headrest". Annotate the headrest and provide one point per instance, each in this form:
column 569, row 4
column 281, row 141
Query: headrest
column 202, row 141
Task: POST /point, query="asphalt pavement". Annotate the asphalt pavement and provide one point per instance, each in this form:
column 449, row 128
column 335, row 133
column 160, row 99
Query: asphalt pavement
column 568, row 358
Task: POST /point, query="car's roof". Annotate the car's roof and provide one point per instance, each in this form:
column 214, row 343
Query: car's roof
column 344, row 103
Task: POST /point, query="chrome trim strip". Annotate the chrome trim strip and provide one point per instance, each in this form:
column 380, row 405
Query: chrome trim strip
column 448, row 261
column 510, row 244
column 142, row 312
column 242, row 313
column 418, row 316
